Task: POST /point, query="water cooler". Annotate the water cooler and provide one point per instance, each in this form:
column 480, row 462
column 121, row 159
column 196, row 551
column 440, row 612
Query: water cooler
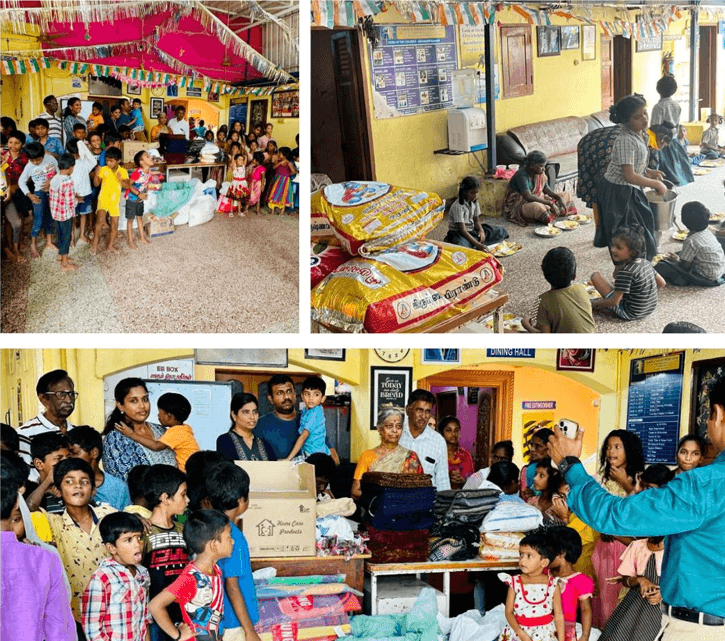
column 466, row 123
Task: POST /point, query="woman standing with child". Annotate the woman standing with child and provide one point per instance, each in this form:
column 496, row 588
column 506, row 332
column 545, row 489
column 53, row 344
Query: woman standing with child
column 620, row 197
column 120, row 453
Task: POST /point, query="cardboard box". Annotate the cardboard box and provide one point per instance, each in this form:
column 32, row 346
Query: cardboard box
column 281, row 517
column 132, row 147
column 161, row 227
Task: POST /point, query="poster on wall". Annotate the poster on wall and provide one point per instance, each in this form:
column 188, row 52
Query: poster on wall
column 388, row 386
column 532, row 422
column 653, row 405
column 411, row 69
column 286, row 104
column 471, row 40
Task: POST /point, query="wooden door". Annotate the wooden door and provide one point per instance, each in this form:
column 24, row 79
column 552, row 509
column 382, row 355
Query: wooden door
column 485, row 427
column 517, row 69
column 355, row 134
column 607, row 73
column 622, row 67
column 445, row 405
column 707, row 65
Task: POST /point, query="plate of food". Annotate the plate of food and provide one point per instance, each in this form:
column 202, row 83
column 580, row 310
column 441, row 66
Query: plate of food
column 700, row 172
column 567, row 225
column 680, row 235
column 658, row 258
column 717, row 217
column 511, row 323
column 582, row 219
column 592, row 291
column 547, row 230
column 710, row 163
column 505, row 248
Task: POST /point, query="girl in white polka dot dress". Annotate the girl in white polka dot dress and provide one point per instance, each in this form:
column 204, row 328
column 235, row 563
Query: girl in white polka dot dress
column 533, row 604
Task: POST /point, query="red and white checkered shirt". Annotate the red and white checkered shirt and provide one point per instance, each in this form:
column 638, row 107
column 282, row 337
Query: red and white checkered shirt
column 115, row 603
column 62, row 198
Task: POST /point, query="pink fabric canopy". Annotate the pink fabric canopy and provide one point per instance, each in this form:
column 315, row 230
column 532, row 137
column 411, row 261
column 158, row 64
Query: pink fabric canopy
column 189, row 42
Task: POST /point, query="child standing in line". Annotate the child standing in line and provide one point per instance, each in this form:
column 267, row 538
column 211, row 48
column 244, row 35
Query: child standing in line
column 199, row 589
column 63, row 208
column 136, row 194
column 115, row 602
column 710, row 142
column 312, row 422
column 633, row 295
column 95, row 120
column 165, row 551
column 111, row 178
column 137, row 125
column 136, row 492
column 80, row 132
column 174, row 409
column 238, row 191
column 228, row 488
column 280, row 193
column 40, row 169
column 85, row 164
column 86, row 443
column 565, row 308
column 256, row 179
column 533, row 595
column 576, row 588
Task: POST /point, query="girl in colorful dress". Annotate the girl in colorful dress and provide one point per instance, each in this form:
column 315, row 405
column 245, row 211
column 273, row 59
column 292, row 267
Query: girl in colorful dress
column 15, row 203
column 533, row 604
column 256, row 179
column 460, row 463
column 538, row 450
column 621, row 460
column 280, row 194
column 238, row 192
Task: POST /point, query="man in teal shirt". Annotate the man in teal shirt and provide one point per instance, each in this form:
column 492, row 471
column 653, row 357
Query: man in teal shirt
column 689, row 511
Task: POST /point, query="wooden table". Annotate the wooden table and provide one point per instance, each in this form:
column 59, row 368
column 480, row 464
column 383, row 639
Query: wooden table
column 192, row 165
column 492, row 301
column 376, row 570
column 354, row 569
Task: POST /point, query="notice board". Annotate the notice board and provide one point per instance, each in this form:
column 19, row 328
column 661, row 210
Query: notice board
column 210, row 403
column 411, row 69
column 654, row 402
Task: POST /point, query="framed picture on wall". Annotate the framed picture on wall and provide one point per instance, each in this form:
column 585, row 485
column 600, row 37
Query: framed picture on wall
column 133, row 90
column 440, row 356
column 157, row 106
column 648, row 42
column 569, row 37
column 589, row 42
column 286, row 104
column 548, row 41
column 213, row 96
column 325, row 354
column 575, row 360
column 703, row 374
column 172, row 91
column 389, row 386
column 258, row 115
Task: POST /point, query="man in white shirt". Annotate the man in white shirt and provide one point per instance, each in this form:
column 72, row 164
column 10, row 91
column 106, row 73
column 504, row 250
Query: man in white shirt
column 55, row 125
column 178, row 126
column 56, row 392
column 425, row 441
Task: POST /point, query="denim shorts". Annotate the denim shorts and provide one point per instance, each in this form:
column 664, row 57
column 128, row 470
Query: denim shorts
column 86, row 207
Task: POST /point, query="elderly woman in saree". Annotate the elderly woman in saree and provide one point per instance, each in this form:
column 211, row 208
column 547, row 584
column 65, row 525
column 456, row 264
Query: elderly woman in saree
column 389, row 456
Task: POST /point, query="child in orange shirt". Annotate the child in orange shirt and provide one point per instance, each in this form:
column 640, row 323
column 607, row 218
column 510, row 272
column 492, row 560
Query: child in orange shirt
column 174, row 409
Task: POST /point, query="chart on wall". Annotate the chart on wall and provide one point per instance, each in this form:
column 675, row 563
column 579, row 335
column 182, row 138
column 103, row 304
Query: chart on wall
column 411, row 69
column 654, row 402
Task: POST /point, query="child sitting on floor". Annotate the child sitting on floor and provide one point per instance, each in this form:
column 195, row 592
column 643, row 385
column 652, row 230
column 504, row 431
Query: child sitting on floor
column 633, row 295
column 710, row 142
column 565, row 308
column 576, row 588
column 702, row 260
column 112, row 179
column 466, row 228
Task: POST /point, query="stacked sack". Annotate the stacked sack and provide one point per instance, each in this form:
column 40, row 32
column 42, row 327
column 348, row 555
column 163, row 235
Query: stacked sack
column 209, row 153
column 500, row 546
column 398, row 513
column 394, row 279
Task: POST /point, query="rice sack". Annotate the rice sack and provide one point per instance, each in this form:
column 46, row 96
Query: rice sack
column 404, row 289
column 324, row 259
column 320, row 227
column 371, row 216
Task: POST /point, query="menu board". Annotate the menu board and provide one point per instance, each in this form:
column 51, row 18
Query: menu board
column 654, row 402
column 411, row 68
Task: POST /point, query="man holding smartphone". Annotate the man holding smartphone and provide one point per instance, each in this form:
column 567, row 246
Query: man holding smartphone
column 689, row 511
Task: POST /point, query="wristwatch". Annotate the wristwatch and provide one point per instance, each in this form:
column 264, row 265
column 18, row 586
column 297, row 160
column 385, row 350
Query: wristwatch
column 566, row 463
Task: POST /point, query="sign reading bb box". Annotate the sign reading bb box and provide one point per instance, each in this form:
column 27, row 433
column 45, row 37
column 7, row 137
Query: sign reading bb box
column 280, row 520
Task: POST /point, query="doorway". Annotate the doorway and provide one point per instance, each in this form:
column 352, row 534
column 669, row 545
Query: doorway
column 622, row 67
column 707, row 68
column 341, row 139
column 607, row 73
column 492, row 404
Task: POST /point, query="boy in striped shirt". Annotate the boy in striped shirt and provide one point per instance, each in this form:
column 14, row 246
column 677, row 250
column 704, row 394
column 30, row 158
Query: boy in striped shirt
column 63, row 208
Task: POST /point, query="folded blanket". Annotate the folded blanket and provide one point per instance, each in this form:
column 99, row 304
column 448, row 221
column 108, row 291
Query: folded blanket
column 172, row 196
column 284, row 610
column 510, row 516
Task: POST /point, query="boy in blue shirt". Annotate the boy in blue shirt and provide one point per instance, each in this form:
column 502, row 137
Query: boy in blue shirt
column 228, row 488
column 312, row 423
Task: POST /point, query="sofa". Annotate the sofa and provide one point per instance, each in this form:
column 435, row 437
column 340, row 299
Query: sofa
column 557, row 138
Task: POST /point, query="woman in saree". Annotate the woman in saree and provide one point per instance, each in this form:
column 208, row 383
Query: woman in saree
column 529, row 199
column 388, row 456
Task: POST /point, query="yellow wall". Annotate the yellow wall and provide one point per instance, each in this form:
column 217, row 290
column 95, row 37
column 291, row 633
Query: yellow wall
column 597, row 401
column 564, row 85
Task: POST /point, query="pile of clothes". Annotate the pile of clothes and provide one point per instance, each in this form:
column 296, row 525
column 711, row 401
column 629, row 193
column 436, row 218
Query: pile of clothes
column 398, row 513
column 209, row 153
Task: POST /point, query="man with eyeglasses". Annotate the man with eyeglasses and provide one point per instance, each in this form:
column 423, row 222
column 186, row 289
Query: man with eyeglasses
column 57, row 393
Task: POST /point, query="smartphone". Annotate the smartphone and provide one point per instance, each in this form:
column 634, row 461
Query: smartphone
column 570, row 428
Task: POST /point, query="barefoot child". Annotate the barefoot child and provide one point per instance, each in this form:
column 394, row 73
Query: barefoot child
column 466, row 228
column 238, row 192
column 40, row 169
column 63, row 208
column 111, row 178
column 533, row 604
column 136, row 194
column 256, row 179
column 280, row 193
column 85, row 164
column 709, row 144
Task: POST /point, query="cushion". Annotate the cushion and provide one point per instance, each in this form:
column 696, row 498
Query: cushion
column 553, row 137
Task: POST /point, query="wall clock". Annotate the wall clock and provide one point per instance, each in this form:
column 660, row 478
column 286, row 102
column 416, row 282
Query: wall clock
column 394, row 355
